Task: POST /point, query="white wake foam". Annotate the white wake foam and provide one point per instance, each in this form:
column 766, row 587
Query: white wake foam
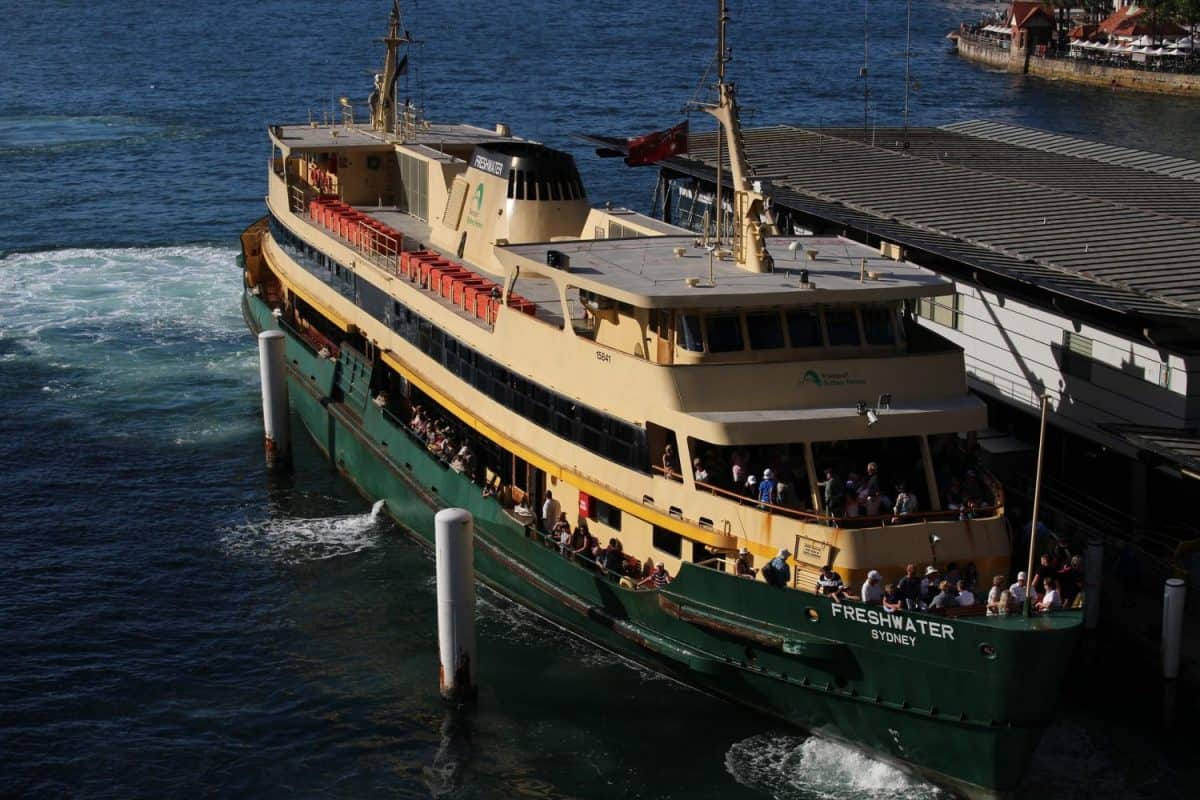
column 793, row 767
column 296, row 540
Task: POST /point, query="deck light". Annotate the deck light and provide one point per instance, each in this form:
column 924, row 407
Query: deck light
column 872, row 418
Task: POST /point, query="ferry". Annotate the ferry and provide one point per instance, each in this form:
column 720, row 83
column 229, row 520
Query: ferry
column 464, row 330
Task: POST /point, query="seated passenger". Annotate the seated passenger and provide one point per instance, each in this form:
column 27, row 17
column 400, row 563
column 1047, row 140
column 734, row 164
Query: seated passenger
column 952, row 498
column 614, row 558
column 945, row 598
column 742, row 567
column 965, row 596
column 1005, row 603
column 993, row 598
column 1051, row 600
column 906, row 503
column 892, row 601
column 698, row 471
column 670, row 463
column 829, row 583
column 580, row 538
column 657, row 579
column 872, row 589
column 562, row 531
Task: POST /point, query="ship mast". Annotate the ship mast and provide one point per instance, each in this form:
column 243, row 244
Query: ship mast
column 383, row 99
column 750, row 220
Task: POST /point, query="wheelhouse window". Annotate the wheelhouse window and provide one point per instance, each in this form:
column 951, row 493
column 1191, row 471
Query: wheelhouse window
column 724, row 333
column 843, row 328
column 691, row 335
column 879, row 325
column 804, row 328
column 667, row 541
column 766, row 331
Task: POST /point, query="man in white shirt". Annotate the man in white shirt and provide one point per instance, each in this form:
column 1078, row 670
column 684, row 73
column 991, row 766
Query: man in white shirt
column 872, row 589
column 550, row 511
column 1017, row 590
column 1051, row 600
column 965, row 596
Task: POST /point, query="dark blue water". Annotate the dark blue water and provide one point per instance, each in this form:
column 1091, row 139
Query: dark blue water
column 175, row 623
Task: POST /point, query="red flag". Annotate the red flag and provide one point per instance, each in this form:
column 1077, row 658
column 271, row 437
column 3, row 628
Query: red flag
column 658, row 145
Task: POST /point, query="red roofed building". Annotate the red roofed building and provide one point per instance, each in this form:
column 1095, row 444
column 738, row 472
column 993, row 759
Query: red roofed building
column 1032, row 25
column 1130, row 22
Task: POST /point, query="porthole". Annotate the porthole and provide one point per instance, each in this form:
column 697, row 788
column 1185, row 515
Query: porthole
column 988, row 651
column 812, row 614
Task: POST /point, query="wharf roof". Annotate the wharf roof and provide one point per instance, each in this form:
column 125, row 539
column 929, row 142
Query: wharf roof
column 673, row 271
column 314, row 136
column 1180, row 446
column 1114, row 227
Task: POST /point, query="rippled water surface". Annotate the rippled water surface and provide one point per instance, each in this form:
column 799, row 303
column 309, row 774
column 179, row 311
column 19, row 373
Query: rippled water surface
column 173, row 622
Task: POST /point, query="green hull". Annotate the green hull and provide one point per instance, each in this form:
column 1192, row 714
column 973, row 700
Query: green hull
column 951, row 699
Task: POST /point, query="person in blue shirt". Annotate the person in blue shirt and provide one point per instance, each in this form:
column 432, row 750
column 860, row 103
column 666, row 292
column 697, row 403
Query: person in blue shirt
column 766, row 487
column 777, row 572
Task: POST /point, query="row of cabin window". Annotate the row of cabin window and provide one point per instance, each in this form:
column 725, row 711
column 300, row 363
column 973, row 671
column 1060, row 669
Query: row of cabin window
column 597, row 432
column 312, row 259
column 523, row 185
column 770, row 330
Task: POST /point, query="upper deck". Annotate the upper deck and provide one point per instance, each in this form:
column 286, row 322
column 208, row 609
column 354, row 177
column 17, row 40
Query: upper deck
column 680, row 271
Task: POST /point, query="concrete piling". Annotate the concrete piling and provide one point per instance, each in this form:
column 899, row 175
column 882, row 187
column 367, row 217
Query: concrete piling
column 276, row 422
column 454, row 530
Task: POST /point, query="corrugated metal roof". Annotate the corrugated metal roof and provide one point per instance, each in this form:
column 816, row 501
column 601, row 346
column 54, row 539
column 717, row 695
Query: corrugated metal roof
column 1181, row 446
column 1105, row 232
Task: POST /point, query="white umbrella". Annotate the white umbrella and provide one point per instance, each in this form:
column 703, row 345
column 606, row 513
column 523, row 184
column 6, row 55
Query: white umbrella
column 1142, row 41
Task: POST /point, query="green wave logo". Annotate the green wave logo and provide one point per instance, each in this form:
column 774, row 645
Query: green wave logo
column 811, row 375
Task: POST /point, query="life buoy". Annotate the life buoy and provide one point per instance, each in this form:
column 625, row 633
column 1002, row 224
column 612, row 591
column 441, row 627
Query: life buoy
column 627, row 584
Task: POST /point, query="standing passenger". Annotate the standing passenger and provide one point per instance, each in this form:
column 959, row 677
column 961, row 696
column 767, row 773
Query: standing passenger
column 550, row 511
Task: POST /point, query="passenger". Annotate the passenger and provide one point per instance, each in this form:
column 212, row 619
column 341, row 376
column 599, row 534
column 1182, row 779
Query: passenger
column 892, row 600
column 550, row 510
column 698, row 471
column 614, row 558
column 1018, row 590
column 973, row 488
column 829, row 583
column 835, row 493
column 945, row 597
column 647, row 567
column 1071, row 580
column 580, row 538
column 993, row 598
column 766, row 488
column 657, row 579
column 929, row 585
column 872, row 589
column 909, row 588
column 737, row 472
column 966, row 597
column 1005, row 604
column 562, row 532
column 777, row 572
column 853, row 486
column 1046, row 569
column 1051, row 600
column 873, row 502
column 670, row 462
column 906, row 503
column 952, row 574
column 751, row 487
column 742, row 566
column 952, row 498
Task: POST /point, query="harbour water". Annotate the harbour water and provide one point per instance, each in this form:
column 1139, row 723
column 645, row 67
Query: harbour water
column 173, row 622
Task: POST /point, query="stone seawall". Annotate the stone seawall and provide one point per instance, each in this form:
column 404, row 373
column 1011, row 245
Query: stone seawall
column 1068, row 69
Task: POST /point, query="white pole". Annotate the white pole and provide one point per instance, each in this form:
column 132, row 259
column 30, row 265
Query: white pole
column 1174, row 595
column 1037, row 499
column 276, row 423
column 1093, row 564
column 454, row 530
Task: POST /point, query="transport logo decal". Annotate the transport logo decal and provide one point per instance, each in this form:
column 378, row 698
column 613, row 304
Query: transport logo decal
column 811, row 375
column 479, row 197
